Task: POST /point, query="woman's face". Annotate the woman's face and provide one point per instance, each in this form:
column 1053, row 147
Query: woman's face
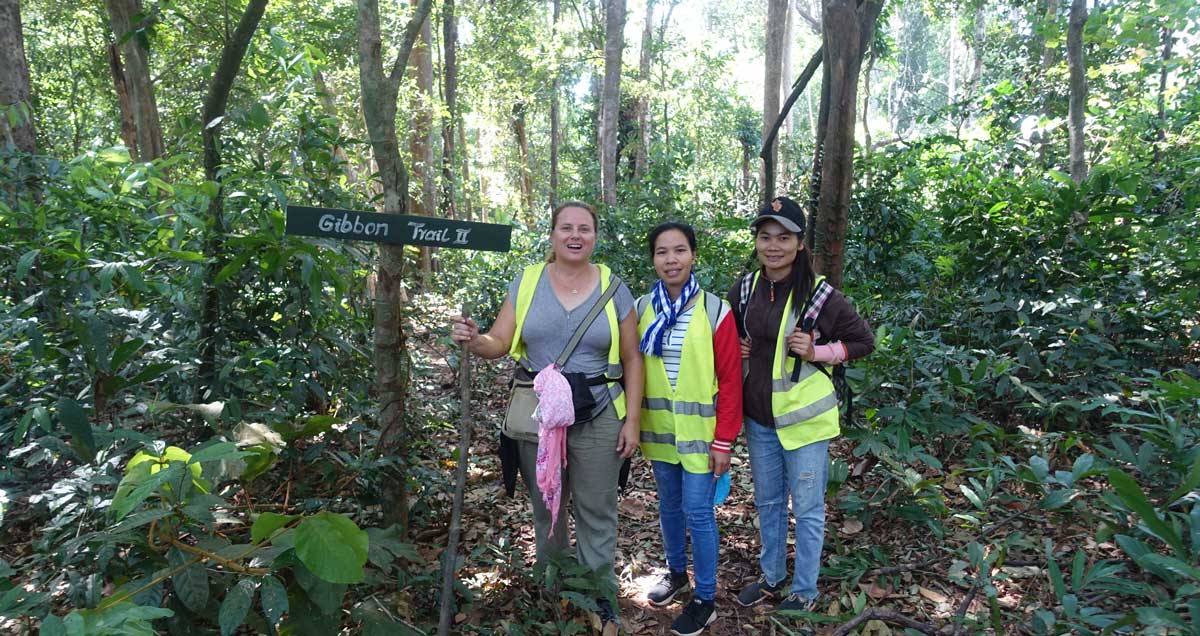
column 673, row 258
column 776, row 247
column 574, row 235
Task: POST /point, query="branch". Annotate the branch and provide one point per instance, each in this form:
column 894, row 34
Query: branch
column 797, row 88
column 232, row 55
column 887, row 616
column 406, row 45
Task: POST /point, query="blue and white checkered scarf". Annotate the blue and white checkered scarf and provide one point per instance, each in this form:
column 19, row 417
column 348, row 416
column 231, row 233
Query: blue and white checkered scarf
column 666, row 313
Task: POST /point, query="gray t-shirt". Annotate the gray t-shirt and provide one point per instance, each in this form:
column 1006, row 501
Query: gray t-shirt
column 548, row 327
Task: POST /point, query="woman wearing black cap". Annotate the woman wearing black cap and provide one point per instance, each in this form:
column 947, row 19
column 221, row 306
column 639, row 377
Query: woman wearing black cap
column 794, row 327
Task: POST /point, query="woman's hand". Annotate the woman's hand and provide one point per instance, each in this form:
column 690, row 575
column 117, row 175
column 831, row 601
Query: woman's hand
column 745, row 346
column 718, row 463
column 629, row 437
column 801, row 344
column 463, row 329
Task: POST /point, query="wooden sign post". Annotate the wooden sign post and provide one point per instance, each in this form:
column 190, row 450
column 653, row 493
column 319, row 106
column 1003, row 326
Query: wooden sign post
column 402, row 229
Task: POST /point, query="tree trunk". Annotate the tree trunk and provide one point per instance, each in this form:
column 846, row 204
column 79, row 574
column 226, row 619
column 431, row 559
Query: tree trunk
column 124, row 104
column 1160, row 139
column 213, row 111
column 866, row 103
column 610, row 99
column 785, row 88
column 555, row 87
column 524, row 178
column 641, row 156
column 847, row 33
column 1078, row 102
column 450, row 121
column 1049, row 20
column 392, row 364
column 951, row 62
column 776, row 28
column 977, row 46
column 747, row 152
column 136, row 69
column 465, row 162
column 420, row 138
column 14, row 80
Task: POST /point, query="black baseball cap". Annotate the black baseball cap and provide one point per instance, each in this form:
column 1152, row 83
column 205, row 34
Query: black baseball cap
column 783, row 210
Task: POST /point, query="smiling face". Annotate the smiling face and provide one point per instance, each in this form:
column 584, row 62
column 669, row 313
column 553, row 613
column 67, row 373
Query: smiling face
column 673, row 259
column 777, row 248
column 574, row 235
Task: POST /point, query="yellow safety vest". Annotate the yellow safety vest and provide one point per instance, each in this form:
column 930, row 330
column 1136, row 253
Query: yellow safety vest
column 805, row 411
column 678, row 424
column 529, row 280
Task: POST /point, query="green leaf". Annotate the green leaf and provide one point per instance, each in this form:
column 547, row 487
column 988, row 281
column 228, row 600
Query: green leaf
column 1190, row 483
column 274, row 599
column 150, row 372
column 1173, row 565
column 124, row 351
column 76, row 422
column 232, row 267
column 325, row 595
column 139, row 484
column 1159, row 617
column 1000, row 205
column 266, row 524
column 235, row 606
column 138, row 520
column 216, row 452
column 25, row 263
column 53, row 626
column 1061, row 177
column 191, row 583
column 332, row 547
column 1131, row 495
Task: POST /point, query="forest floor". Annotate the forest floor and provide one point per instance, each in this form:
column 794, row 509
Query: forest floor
column 918, row 584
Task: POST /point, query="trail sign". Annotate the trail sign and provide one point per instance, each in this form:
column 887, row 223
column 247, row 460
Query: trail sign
column 397, row 229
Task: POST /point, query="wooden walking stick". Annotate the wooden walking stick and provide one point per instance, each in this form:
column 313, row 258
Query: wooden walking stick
column 450, row 556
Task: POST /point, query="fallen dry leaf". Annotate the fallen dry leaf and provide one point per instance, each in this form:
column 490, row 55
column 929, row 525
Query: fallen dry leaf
column 851, row 526
column 936, row 597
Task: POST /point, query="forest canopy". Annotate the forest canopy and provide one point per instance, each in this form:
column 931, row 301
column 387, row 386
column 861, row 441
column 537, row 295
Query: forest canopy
column 211, row 426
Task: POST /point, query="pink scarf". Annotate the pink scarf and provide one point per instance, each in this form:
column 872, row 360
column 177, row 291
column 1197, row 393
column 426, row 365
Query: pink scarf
column 554, row 413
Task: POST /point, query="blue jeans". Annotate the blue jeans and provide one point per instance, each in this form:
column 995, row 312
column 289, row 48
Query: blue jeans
column 778, row 473
column 685, row 504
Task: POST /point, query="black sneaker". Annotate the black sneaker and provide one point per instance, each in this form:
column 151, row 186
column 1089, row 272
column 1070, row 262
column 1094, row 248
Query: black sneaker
column 695, row 617
column 797, row 603
column 667, row 587
column 758, row 592
column 606, row 620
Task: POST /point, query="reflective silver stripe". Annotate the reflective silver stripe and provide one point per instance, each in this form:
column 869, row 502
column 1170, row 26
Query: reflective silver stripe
column 650, row 437
column 695, row 408
column 780, row 385
column 615, row 370
column 806, row 413
column 656, row 404
column 692, row 447
column 679, row 408
column 614, row 390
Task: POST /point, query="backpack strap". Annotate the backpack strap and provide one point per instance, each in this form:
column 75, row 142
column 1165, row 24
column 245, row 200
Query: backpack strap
column 746, row 287
column 808, row 320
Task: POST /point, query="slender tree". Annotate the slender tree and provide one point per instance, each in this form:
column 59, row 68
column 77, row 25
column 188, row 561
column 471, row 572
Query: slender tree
column 776, row 29
column 14, row 80
column 450, row 94
column 1078, row 99
column 555, row 87
column 847, row 31
column 610, row 99
column 213, row 111
column 641, row 154
column 128, row 20
column 420, row 137
column 379, row 93
column 524, row 174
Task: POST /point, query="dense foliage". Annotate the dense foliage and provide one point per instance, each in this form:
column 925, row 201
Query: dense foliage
column 1038, row 339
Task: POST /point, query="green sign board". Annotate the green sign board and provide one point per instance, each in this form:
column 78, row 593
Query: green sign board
column 397, row 229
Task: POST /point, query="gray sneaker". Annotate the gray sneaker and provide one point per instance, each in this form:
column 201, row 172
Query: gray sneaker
column 797, row 603
column 758, row 592
column 665, row 590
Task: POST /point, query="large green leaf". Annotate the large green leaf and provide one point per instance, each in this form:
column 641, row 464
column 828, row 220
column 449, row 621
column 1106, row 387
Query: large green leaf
column 266, row 524
column 139, row 483
column 190, row 583
column 73, row 418
column 274, row 599
column 235, row 606
column 332, row 547
column 1131, row 495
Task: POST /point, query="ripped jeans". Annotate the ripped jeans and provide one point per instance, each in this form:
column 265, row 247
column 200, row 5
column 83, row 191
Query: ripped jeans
column 778, row 473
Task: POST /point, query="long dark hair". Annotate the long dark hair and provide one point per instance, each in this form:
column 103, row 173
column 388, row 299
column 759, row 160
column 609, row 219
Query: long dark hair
column 688, row 232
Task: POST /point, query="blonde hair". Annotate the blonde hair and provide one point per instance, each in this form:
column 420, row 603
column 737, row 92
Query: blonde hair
column 554, row 220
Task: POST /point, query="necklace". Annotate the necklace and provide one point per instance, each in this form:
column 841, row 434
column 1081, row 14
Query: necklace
column 574, row 288
column 771, row 290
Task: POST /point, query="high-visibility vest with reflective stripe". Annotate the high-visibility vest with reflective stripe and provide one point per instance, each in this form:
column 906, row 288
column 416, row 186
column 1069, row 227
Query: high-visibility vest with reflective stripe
column 805, row 411
column 529, row 281
column 678, row 424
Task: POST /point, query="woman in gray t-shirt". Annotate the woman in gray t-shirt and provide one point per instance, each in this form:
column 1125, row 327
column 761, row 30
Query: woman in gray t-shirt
column 545, row 305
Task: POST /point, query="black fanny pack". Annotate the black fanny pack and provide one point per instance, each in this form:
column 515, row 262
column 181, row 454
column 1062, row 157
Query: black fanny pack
column 581, row 392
